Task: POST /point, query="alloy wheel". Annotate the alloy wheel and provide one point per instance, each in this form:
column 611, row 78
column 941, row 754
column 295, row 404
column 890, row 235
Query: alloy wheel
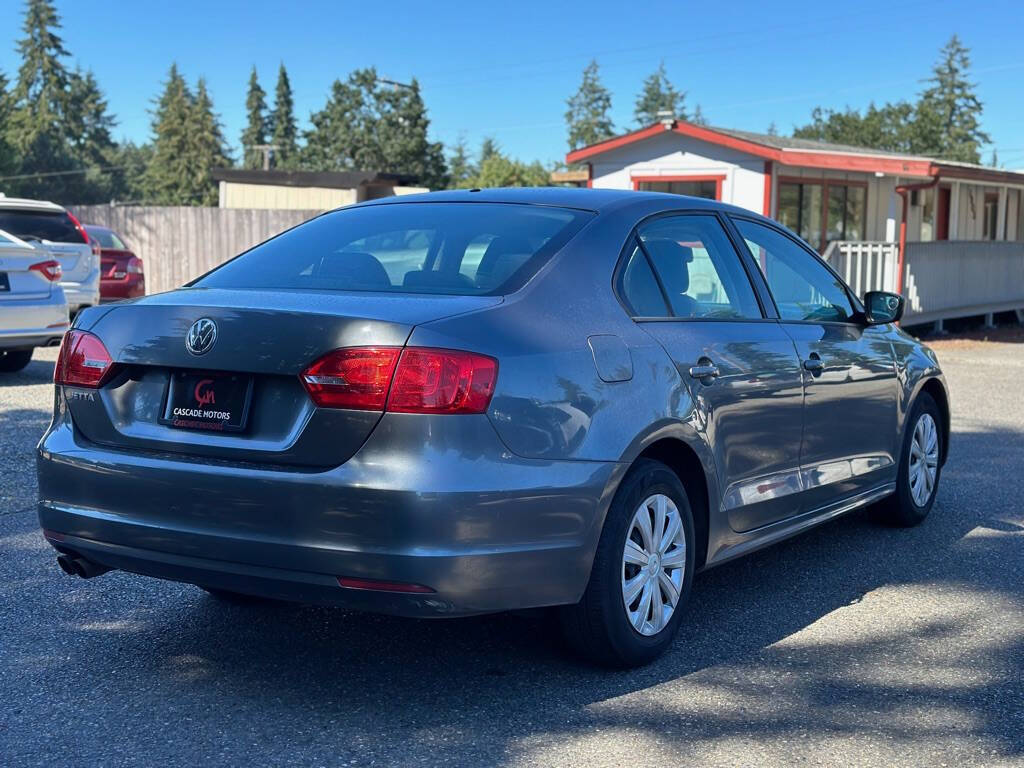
column 653, row 564
column 923, row 466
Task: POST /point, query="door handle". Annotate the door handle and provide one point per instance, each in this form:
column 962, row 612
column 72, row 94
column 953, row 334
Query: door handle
column 704, row 369
column 814, row 364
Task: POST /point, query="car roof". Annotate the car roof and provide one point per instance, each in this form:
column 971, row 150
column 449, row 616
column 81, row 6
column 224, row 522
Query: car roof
column 597, row 200
column 24, row 204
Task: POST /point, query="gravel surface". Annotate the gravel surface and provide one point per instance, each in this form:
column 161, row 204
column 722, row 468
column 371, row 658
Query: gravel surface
column 850, row 645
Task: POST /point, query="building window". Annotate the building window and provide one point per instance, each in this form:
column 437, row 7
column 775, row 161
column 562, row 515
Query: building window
column 988, row 227
column 710, row 188
column 821, row 212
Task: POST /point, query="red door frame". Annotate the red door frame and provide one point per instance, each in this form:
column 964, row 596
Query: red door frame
column 942, row 213
column 719, row 179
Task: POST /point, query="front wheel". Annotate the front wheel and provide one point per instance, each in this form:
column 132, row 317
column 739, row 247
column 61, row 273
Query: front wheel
column 642, row 572
column 14, row 360
column 920, row 466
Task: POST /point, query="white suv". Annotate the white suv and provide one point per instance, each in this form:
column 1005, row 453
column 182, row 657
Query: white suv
column 50, row 227
column 33, row 310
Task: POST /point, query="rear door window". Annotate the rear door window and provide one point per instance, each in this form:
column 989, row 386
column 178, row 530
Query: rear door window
column 698, row 268
column 55, row 226
column 441, row 248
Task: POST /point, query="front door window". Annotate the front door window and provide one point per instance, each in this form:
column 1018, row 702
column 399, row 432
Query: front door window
column 821, row 212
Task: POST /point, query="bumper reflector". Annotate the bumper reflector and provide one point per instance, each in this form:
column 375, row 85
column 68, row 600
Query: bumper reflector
column 382, row 586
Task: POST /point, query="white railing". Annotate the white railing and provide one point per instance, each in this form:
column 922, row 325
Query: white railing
column 941, row 280
column 865, row 266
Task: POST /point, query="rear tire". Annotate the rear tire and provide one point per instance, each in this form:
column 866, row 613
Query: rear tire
column 14, row 360
column 920, row 467
column 605, row 628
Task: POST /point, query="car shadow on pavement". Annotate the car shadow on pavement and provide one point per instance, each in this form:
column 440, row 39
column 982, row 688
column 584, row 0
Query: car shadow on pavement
column 38, row 371
column 760, row 651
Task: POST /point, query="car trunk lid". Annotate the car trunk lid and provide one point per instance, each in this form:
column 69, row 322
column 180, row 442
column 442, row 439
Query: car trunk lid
column 266, row 337
column 17, row 281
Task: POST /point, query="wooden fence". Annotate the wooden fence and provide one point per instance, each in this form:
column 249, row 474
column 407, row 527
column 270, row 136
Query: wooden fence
column 177, row 244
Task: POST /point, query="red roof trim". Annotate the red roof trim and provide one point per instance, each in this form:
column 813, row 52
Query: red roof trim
column 837, row 161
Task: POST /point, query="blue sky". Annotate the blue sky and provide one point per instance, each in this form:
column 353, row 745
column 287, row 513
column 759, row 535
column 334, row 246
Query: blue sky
column 506, row 69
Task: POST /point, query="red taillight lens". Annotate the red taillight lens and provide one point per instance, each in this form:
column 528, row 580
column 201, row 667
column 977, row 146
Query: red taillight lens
column 354, row 377
column 51, row 270
column 420, row 380
column 442, row 381
column 83, row 360
column 134, row 266
column 85, row 235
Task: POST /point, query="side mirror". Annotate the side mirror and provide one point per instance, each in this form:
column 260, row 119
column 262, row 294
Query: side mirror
column 881, row 307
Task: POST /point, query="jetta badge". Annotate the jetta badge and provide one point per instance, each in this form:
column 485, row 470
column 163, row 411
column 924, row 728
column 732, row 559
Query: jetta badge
column 201, row 336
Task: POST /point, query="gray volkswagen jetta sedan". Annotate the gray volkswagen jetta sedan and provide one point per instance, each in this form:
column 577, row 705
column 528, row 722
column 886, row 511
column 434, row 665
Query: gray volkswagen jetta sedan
column 469, row 402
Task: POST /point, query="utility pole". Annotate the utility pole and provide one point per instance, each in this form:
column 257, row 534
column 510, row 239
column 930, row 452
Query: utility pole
column 266, row 149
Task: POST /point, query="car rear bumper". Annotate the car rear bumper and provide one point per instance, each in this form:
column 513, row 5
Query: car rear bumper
column 33, row 322
column 83, row 294
column 130, row 287
column 487, row 531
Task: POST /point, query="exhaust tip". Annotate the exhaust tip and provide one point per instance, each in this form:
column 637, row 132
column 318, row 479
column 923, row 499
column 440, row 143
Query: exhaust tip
column 79, row 566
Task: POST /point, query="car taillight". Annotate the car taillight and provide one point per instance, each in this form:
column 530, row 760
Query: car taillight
column 442, row 381
column 134, row 266
column 83, row 360
column 410, row 380
column 51, row 270
column 353, row 377
column 85, row 235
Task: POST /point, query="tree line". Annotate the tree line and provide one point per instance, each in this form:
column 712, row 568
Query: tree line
column 944, row 122
column 56, row 130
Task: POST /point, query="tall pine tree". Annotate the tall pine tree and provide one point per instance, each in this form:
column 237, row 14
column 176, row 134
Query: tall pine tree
column 8, row 160
column 283, row 128
column 168, row 178
column 207, row 148
column 460, row 168
column 947, row 118
column 367, row 125
column 255, row 133
column 658, row 95
column 587, row 118
column 37, row 127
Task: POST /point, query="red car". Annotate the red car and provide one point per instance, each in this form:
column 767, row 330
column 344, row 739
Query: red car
column 121, row 275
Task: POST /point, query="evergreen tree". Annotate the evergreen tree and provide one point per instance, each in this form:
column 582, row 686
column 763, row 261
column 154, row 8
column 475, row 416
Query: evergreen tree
column 207, row 148
column 168, row 178
column 8, row 160
column 947, row 120
column 587, row 117
column 773, row 129
column 697, row 118
column 658, row 95
column 460, row 167
column 255, row 132
column 369, row 126
column 889, row 127
column 488, row 148
column 36, row 125
column 282, row 126
column 128, row 175
column 500, row 171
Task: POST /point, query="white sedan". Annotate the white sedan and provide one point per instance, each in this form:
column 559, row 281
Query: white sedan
column 33, row 309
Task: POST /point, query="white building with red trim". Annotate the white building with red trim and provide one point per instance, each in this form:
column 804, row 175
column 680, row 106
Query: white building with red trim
column 854, row 205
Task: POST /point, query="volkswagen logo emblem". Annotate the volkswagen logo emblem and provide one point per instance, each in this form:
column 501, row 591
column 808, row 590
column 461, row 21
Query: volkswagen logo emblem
column 201, row 336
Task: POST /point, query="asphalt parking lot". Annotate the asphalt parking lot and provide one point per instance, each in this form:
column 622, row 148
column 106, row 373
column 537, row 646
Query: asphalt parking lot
column 852, row 644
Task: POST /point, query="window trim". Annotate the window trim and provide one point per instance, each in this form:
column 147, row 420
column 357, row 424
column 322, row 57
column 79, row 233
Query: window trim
column 856, row 319
column 825, row 184
column 718, row 178
column 625, row 253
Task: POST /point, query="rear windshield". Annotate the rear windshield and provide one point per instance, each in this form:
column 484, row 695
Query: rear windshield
column 446, row 248
column 106, row 238
column 55, row 226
